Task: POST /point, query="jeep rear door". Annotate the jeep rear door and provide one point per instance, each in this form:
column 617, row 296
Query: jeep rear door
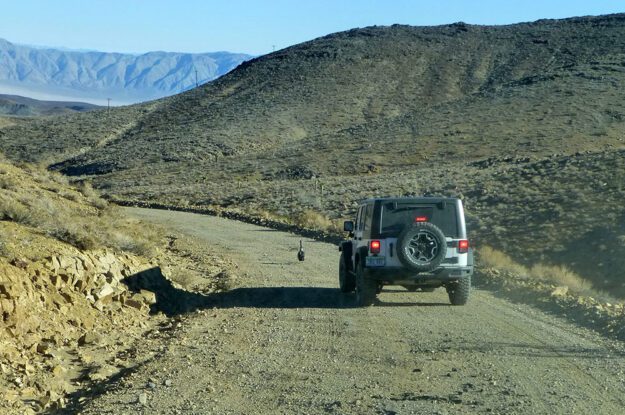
column 396, row 215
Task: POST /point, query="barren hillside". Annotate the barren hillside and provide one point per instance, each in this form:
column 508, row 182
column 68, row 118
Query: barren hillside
column 525, row 122
column 78, row 280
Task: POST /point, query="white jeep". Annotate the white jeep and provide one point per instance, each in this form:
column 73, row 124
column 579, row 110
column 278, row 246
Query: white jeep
column 419, row 243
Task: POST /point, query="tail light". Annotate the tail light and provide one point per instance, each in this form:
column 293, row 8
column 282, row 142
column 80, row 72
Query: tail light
column 374, row 247
column 463, row 246
column 421, row 219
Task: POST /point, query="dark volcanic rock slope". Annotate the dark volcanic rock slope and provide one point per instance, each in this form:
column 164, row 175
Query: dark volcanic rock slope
column 458, row 92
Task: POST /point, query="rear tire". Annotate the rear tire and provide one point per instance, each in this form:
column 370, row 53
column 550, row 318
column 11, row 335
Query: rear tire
column 347, row 281
column 366, row 288
column 459, row 292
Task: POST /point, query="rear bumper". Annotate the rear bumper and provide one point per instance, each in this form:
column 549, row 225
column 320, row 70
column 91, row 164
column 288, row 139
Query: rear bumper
column 392, row 275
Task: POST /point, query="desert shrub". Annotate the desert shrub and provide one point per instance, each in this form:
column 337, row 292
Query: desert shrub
column 130, row 236
column 8, row 182
column 560, row 275
column 497, row 259
column 69, row 195
column 311, row 219
column 42, row 199
column 13, row 210
column 74, row 234
column 4, row 249
column 92, row 195
column 185, row 278
column 555, row 274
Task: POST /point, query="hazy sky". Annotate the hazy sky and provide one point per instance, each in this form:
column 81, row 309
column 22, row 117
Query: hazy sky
column 249, row 26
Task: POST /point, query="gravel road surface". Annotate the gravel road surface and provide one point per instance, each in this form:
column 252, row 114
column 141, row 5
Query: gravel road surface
column 286, row 341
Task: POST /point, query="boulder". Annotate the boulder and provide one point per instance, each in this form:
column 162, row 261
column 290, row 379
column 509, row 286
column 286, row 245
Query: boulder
column 107, row 290
column 560, row 291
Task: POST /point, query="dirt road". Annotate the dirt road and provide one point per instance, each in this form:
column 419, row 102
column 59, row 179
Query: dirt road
column 287, row 342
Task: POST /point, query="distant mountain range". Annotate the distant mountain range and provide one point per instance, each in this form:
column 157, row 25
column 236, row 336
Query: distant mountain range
column 62, row 75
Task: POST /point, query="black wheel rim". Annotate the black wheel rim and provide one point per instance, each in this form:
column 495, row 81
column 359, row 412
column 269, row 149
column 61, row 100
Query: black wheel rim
column 423, row 247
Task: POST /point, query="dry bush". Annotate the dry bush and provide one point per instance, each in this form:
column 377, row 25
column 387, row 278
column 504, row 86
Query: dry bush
column 185, row 278
column 560, row 275
column 4, row 249
column 130, row 235
column 499, row 260
column 69, row 195
column 68, row 215
column 266, row 215
column 80, row 235
column 13, row 210
column 110, row 229
column 555, row 274
column 310, row 219
column 7, row 182
column 87, row 190
column 92, row 195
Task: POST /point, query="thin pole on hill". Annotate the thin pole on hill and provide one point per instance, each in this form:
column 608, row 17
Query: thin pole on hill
column 196, row 84
column 108, row 112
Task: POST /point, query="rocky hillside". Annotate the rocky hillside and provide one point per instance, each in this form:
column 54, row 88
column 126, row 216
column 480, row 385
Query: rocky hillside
column 390, row 96
column 97, row 76
column 78, row 281
column 472, row 111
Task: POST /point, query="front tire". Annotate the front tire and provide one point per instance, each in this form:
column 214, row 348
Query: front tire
column 366, row 288
column 347, row 281
column 459, row 292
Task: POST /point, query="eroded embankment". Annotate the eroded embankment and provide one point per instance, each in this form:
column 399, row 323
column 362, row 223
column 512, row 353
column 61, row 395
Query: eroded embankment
column 64, row 317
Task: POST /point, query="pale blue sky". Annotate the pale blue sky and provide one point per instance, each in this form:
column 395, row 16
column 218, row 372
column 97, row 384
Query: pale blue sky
column 249, row 26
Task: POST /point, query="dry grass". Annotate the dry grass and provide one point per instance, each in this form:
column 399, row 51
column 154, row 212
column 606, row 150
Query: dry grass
column 496, row 259
column 310, row 219
column 560, row 275
column 555, row 274
column 4, row 249
column 14, row 210
column 77, row 216
column 6, row 122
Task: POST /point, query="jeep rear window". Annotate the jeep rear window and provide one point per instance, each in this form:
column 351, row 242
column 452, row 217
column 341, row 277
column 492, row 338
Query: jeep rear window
column 395, row 216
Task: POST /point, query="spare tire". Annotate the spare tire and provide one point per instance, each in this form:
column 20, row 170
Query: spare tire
column 421, row 246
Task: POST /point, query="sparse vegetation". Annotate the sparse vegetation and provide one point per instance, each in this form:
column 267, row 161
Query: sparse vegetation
column 79, row 217
column 4, row 249
column 559, row 275
column 14, row 210
column 310, row 219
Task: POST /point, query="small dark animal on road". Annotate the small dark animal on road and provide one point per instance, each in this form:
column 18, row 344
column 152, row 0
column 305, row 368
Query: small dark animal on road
column 300, row 253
